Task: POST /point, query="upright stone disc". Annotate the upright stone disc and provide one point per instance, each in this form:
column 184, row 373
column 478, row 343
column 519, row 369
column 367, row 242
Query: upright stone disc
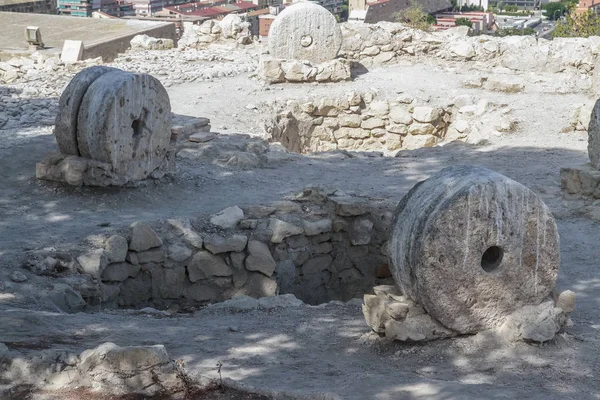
column 471, row 246
column 305, row 31
column 125, row 120
column 594, row 136
column 68, row 108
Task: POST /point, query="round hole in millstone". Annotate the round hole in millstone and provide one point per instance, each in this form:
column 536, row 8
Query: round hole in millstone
column 306, row 40
column 464, row 212
column 102, row 121
column 492, row 258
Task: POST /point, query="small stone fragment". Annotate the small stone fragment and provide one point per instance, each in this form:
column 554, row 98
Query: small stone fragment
column 18, row 276
column 282, row 230
column 217, row 244
column 228, row 218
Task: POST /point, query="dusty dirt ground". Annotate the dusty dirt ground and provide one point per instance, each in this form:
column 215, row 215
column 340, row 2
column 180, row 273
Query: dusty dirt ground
column 323, row 349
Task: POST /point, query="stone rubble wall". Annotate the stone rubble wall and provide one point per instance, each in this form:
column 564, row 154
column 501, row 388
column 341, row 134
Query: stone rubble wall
column 278, row 71
column 232, row 27
column 319, row 245
column 363, row 122
column 382, row 43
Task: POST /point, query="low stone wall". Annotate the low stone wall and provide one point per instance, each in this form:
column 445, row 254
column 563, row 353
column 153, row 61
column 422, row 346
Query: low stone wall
column 278, row 71
column 319, row 245
column 382, row 43
column 363, row 122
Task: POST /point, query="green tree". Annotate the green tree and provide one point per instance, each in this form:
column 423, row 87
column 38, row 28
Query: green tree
column 500, row 6
column 463, row 22
column 554, row 10
column 579, row 25
column 415, row 17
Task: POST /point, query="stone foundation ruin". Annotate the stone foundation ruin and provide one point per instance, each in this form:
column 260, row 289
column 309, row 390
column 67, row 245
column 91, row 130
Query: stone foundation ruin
column 363, row 122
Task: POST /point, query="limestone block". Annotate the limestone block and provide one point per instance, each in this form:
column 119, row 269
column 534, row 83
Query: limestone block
column 305, row 31
column 136, row 291
column 411, row 142
column 360, row 231
column 201, row 292
column 143, row 237
column 118, row 272
column 313, row 228
column 421, row 129
column 400, row 115
column 124, row 120
column 156, row 255
column 485, row 265
column 179, row 253
column 281, row 230
column 116, row 248
column 350, row 120
column 260, row 258
column 205, row 265
column 426, row 114
column 228, row 218
column 348, row 206
column 94, row 262
column 372, row 123
column 218, row 244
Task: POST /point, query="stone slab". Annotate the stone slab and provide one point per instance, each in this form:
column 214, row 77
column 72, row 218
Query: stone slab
column 72, row 51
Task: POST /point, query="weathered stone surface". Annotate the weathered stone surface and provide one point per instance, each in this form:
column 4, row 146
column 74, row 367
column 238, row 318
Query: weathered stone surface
column 143, row 237
column 136, row 291
column 348, row 206
column 400, row 115
column 313, row 228
column 124, row 120
column 116, row 248
column 152, row 256
column 426, row 114
column 179, row 253
column 360, row 231
column 205, row 265
column 470, row 269
column 419, row 328
column 282, row 230
column 228, row 218
column 201, row 292
column 584, row 181
column 260, row 258
column 94, row 262
column 258, row 285
column 168, row 283
column 539, row 322
column 218, row 244
column 566, row 301
column 305, row 31
column 594, row 136
column 145, row 42
column 18, row 276
column 118, row 272
column 411, row 142
column 65, row 129
column 230, row 26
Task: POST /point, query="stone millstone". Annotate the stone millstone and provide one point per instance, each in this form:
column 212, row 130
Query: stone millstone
column 68, row 108
column 305, row 31
column 594, row 136
column 125, row 120
column 472, row 246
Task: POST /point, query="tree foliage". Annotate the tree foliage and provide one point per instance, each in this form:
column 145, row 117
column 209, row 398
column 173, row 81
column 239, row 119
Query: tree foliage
column 515, row 32
column 463, row 22
column 555, row 10
column 579, row 25
column 415, row 17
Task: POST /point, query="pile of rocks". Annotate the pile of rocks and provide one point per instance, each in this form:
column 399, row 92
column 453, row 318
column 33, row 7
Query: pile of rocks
column 232, row 27
column 363, row 122
column 277, row 71
column 318, row 245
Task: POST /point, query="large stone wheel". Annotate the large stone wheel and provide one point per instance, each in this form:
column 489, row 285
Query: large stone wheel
column 594, row 136
column 68, row 108
column 125, row 120
column 305, row 31
column 471, row 246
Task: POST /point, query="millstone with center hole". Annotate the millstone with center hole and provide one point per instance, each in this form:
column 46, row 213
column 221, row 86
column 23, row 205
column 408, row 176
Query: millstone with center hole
column 125, row 120
column 471, row 246
column 68, row 108
column 305, row 31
